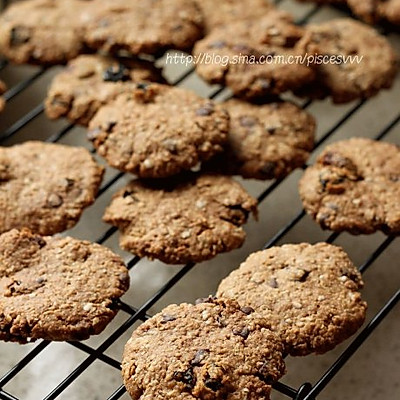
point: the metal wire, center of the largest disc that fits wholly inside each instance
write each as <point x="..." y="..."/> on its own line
<point x="306" y="391"/>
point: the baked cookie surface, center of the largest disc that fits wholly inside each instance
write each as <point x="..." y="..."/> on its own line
<point x="355" y="186"/>
<point x="211" y="350"/>
<point x="265" y="141"/>
<point x="56" y="288"/>
<point x="146" y="26"/>
<point x="45" y="187"/>
<point x="308" y="293"/>
<point x="44" y="31"/>
<point x="374" y="70"/>
<point x="90" y="81"/>
<point x="373" y="11"/>
<point x="236" y="54"/>
<point x="185" y="219"/>
<point x="156" y="131"/>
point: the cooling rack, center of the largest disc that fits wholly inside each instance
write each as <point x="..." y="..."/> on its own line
<point x="133" y="315"/>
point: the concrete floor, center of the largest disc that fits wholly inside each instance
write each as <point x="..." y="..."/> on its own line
<point x="373" y="372"/>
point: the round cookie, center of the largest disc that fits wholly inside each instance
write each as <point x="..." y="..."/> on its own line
<point x="91" y="81"/>
<point x="45" y="187"/>
<point x="373" y="11"/>
<point x="56" y="288"/>
<point x="355" y="186"/>
<point x="211" y="350"/>
<point x="3" y="88"/>
<point x="265" y="141"/>
<point x="156" y="130"/>
<point x="309" y="294"/>
<point x="44" y="31"/>
<point x="145" y="26"/>
<point x="185" y="219"/>
<point x="221" y="12"/>
<point x="244" y="56"/>
<point x="345" y="82"/>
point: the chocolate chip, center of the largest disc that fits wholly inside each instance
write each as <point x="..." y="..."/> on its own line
<point x="247" y="121"/>
<point x="142" y="86"/>
<point x="213" y="384"/>
<point x="268" y="169"/>
<point x="40" y="241"/>
<point x="40" y="280"/>
<point x="54" y="200"/>
<point x="209" y="299"/>
<point x="167" y="318"/>
<point x="19" y="35"/>
<point x="187" y="377"/>
<point x="271" y="130"/>
<point x="200" y="356"/>
<point x="273" y="283"/>
<point x="304" y="277"/>
<point x="110" y="126"/>
<point x="247" y="310"/>
<point x="119" y="74"/>
<point x="338" y="160"/>
<point x="206" y="110"/>
<point x="243" y="332"/>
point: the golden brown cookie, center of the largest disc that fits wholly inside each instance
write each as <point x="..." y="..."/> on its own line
<point x="211" y="350"/>
<point x="309" y="294"/>
<point x="90" y="81"/>
<point x="373" y="11"/>
<point x="56" y="288"/>
<point x="184" y="219"/>
<point x="156" y="131"/>
<point x="45" y="187"/>
<point x="355" y="186"/>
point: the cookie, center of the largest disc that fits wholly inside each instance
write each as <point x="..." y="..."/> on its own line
<point x="186" y="219"/>
<point x="211" y="350"/>
<point x="224" y="12"/>
<point x="146" y="26"/>
<point x="309" y="294"/>
<point x="265" y="141"/>
<point x="44" y="31"/>
<point x="374" y="68"/>
<point x="3" y="88"/>
<point x="245" y="56"/>
<point x="355" y="186"/>
<point x="373" y="11"/>
<point x="156" y="131"/>
<point x="91" y="81"/>
<point x="56" y="288"/>
<point x="45" y="187"/>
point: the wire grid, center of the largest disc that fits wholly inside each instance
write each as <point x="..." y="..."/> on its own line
<point x="307" y="391"/>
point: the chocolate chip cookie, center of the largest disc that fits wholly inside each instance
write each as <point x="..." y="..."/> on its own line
<point x="90" y="81"/>
<point x="3" y="88"/>
<point x="373" y="11"/>
<point x="211" y="350"/>
<point x="157" y="131"/>
<point x="221" y="12"/>
<point x="355" y="186"/>
<point x="56" y="288"/>
<point x="247" y="56"/>
<point x="309" y="294"/>
<point x="146" y="26"/>
<point x="372" y="68"/>
<point x="265" y="141"/>
<point x="44" y="31"/>
<point x="184" y="219"/>
<point x="45" y="187"/>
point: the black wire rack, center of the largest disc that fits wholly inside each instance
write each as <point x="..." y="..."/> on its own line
<point x="307" y="391"/>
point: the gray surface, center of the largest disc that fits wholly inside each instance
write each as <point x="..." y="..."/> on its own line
<point x="371" y="374"/>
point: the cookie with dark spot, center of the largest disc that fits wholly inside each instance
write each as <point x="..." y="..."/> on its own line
<point x="265" y="141"/>
<point x="211" y="350"/>
<point x="44" y="31"/>
<point x="90" y="81"/>
<point x="355" y="186"/>
<point x="45" y="187"/>
<point x="56" y="288"/>
<point x="3" y="88"/>
<point x="222" y="12"/>
<point x="349" y="79"/>
<point x="145" y="26"/>
<point x="373" y="11"/>
<point x="309" y="294"/>
<point x="157" y="131"/>
<point x="185" y="219"/>
<point x="250" y="56"/>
